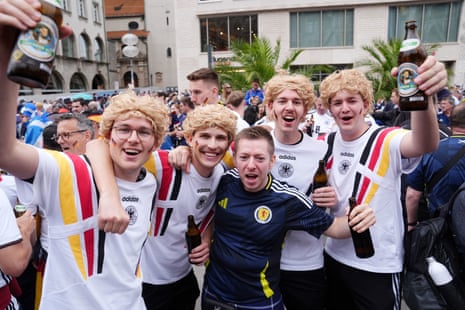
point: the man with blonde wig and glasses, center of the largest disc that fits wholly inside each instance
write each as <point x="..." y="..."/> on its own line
<point x="366" y="162"/>
<point x="169" y="281"/>
<point x="86" y="268"/>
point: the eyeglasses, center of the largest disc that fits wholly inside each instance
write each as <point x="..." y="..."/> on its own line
<point x="125" y="132"/>
<point x="66" y="135"/>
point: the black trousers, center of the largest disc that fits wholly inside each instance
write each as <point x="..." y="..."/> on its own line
<point x="180" y="295"/>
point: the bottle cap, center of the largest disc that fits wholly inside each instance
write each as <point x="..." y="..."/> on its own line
<point x="57" y="3"/>
<point x="20" y="210"/>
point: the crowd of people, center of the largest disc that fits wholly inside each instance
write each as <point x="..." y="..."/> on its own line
<point x="110" y="182"/>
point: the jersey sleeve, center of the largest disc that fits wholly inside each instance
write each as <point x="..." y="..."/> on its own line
<point x="415" y="179"/>
<point x="303" y="215"/>
<point x="9" y="231"/>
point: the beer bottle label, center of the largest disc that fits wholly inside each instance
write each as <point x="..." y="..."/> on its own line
<point x="41" y="42"/>
<point x="407" y="73"/>
<point x="409" y="44"/>
<point x="57" y="3"/>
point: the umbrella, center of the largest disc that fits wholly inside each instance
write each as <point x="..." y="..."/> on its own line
<point x="84" y="96"/>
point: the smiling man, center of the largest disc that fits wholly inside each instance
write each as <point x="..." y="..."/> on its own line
<point x="376" y="156"/>
<point x="169" y="280"/>
<point x="100" y="278"/>
<point x="86" y="268"/>
<point x="73" y="132"/>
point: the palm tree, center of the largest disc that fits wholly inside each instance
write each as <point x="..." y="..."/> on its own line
<point x="383" y="59"/>
<point x="258" y="60"/>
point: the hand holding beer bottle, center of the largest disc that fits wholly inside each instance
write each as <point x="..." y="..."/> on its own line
<point x="362" y="241"/>
<point x="412" y="54"/>
<point x="31" y="62"/>
<point x="193" y="238"/>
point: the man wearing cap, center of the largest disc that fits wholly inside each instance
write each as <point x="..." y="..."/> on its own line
<point x="26" y="113"/>
<point x="34" y="130"/>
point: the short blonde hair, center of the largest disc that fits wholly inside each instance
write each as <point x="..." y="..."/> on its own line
<point x="350" y="80"/>
<point x="127" y="105"/>
<point x="210" y="116"/>
<point x="297" y="82"/>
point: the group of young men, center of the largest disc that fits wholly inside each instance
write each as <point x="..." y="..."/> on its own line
<point x="106" y="238"/>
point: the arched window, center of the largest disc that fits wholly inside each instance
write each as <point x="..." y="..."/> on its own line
<point x="99" y="50"/>
<point x="78" y="83"/>
<point x="55" y="84"/>
<point x="98" y="82"/>
<point x="84" y="46"/>
<point x="68" y="46"/>
<point x="127" y="79"/>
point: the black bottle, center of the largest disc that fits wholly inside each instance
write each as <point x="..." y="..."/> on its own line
<point x="362" y="241"/>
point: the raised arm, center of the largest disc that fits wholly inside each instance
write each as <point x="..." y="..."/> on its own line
<point x="17" y="158"/>
<point x="111" y="215"/>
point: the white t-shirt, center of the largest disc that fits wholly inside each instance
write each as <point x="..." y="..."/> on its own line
<point x="9" y="231"/>
<point x="380" y="188"/>
<point x="9" y="234"/>
<point x="240" y="122"/>
<point x="164" y="256"/>
<point x="87" y="269"/>
<point x="322" y="123"/>
<point x="296" y="165"/>
<point x="7" y="184"/>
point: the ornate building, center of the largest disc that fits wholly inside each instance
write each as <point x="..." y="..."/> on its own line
<point x="81" y="62"/>
<point x="122" y="17"/>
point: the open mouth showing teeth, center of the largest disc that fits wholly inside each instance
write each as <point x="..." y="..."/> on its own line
<point x="131" y="152"/>
<point x="288" y="119"/>
<point x="346" y="118"/>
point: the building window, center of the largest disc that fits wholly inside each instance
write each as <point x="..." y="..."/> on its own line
<point x="437" y="22"/>
<point x="68" y="46"/>
<point x="98" y="47"/>
<point x="322" y="28"/>
<point x="84" y="46"/>
<point x="66" y="5"/>
<point x="96" y="12"/>
<point x="82" y="8"/>
<point x="219" y="32"/>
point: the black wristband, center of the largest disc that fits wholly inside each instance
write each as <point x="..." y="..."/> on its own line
<point x="412" y="224"/>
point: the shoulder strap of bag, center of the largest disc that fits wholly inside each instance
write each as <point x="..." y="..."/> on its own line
<point x="439" y="174"/>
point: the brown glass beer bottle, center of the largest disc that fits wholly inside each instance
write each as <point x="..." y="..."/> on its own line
<point x="320" y="179"/>
<point x="31" y="61"/>
<point x="362" y="241"/>
<point x="193" y="239"/>
<point x="411" y="55"/>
